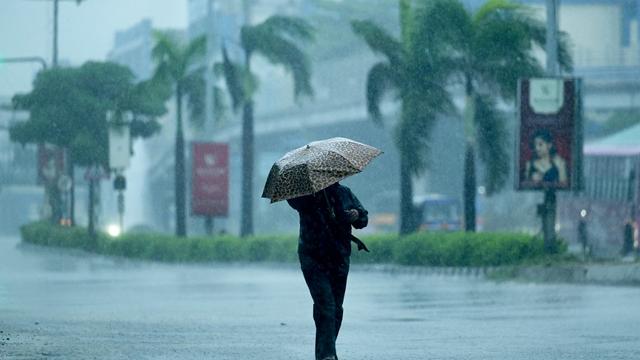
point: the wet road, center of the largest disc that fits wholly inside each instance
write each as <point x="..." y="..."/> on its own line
<point x="60" y="305"/>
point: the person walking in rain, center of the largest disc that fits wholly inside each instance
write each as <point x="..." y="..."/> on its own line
<point x="324" y="248"/>
<point x="307" y="177"/>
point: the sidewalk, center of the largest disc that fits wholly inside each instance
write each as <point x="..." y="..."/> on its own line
<point x="605" y="274"/>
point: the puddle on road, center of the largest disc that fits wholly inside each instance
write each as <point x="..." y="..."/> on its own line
<point x="402" y="319"/>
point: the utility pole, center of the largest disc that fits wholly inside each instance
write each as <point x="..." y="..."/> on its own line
<point x="551" y="47"/>
<point x="548" y="208"/>
<point x="208" y="65"/>
<point x="54" y="64"/>
<point x="54" y="57"/>
<point x="209" y="105"/>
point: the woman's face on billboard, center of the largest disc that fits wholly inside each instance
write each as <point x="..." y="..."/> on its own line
<point x="542" y="147"/>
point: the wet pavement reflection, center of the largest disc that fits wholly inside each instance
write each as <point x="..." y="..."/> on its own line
<point x="71" y="305"/>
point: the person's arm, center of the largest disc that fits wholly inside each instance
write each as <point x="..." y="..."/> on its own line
<point x="562" y="169"/>
<point x="363" y="215"/>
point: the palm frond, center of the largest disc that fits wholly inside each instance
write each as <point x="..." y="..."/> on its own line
<point x="444" y="24"/>
<point x="413" y="133"/>
<point x="564" y="52"/>
<point x="280" y="51"/>
<point x="220" y="106"/>
<point x="503" y="46"/>
<point x="194" y="87"/>
<point x="166" y="53"/>
<point x="538" y="33"/>
<point x="233" y="79"/>
<point x="379" y="40"/>
<point x="277" y="39"/>
<point x="196" y="49"/>
<point x="291" y="26"/>
<point x="493" y="8"/>
<point x="380" y="80"/>
<point x="492" y="143"/>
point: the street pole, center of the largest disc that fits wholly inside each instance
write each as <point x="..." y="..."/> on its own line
<point x="54" y="59"/>
<point x="548" y="212"/>
<point x="208" y="225"/>
<point x="208" y="68"/>
<point x="551" y="47"/>
<point x="121" y="209"/>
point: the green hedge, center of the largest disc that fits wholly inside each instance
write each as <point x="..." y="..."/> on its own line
<point x="422" y="249"/>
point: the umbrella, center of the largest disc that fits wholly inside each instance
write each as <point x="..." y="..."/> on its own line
<point x="315" y="166"/>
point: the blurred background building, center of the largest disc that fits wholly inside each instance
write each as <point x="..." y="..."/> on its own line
<point x="606" y="56"/>
<point x="605" y="37"/>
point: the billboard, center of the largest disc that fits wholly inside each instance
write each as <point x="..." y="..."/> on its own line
<point x="210" y="179"/>
<point x="549" y="146"/>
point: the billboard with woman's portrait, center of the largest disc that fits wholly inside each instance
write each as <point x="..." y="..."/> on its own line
<point x="549" y="144"/>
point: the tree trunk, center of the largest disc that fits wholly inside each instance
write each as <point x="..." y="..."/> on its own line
<point x="92" y="226"/>
<point x="469" y="189"/>
<point x="55" y="202"/>
<point x="470" y="185"/>
<point x="407" y="223"/>
<point x="549" y="221"/>
<point x="208" y="225"/>
<point x="181" y="225"/>
<point x="72" y="194"/>
<point x="246" y="227"/>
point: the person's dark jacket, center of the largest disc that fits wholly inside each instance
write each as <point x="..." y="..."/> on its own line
<point x="325" y="230"/>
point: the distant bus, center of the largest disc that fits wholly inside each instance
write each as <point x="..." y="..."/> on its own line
<point x="438" y="212"/>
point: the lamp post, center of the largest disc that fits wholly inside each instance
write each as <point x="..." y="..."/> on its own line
<point x="25" y="59"/>
<point x="54" y="57"/>
<point x="547" y="209"/>
<point x="119" y="154"/>
<point x="583" y="235"/>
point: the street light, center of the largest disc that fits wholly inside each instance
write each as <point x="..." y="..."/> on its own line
<point x="54" y="59"/>
<point x="119" y="154"/>
<point x="25" y="59"/>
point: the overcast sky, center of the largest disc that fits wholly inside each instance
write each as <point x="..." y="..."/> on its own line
<point x="86" y="31"/>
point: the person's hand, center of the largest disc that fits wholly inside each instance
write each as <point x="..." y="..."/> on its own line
<point x="352" y="215"/>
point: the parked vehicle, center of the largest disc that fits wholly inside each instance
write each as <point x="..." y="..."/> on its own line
<point x="438" y="212"/>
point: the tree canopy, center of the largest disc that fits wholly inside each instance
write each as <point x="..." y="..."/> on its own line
<point x="68" y="107"/>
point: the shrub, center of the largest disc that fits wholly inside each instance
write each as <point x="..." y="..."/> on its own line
<point x="421" y="249"/>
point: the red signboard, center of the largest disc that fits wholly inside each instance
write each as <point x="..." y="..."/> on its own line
<point x="549" y="136"/>
<point x="50" y="164"/>
<point x="210" y="179"/>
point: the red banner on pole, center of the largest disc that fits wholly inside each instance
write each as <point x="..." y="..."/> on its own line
<point x="210" y="179"/>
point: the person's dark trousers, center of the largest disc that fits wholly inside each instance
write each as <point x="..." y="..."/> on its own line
<point x="327" y="282"/>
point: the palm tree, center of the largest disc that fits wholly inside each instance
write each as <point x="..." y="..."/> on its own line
<point x="275" y="39"/>
<point x="174" y="64"/>
<point x="414" y="68"/>
<point x="492" y="48"/>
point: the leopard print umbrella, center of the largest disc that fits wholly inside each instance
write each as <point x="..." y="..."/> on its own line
<point x="315" y="166"/>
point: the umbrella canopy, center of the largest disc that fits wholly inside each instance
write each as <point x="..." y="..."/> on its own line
<point x="315" y="166"/>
